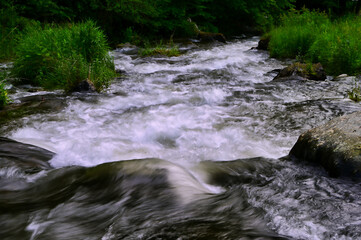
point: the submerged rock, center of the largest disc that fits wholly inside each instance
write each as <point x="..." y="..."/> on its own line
<point x="302" y="70"/>
<point x="31" y="105"/>
<point x="25" y="156"/>
<point x="127" y="48"/>
<point x="335" y="145"/>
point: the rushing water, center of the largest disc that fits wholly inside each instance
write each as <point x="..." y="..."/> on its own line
<point x="185" y="119"/>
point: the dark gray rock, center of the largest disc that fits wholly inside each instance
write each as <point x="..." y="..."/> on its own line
<point x="335" y="145"/>
<point x="25" y="156"/>
<point x="303" y="71"/>
<point x="85" y="86"/>
<point x="263" y="43"/>
<point x="211" y="37"/>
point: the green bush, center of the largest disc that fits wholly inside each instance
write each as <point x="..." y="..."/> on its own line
<point x="61" y="57"/>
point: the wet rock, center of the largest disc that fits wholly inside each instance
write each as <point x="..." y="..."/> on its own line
<point x="335" y="145"/>
<point x="303" y="70"/>
<point x="264" y="42"/>
<point x="344" y="77"/>
<point x="25" y="156"/>
<point x="206" y="36"/>
<point x="30" y="105"/>
<point x="127" y="48"/>
<point x="211" y="37"/>
<point x="85" y="86"/>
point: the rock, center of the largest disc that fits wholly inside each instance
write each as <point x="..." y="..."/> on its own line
<point x="344" y="77"/>
<point x="85" y="86"/>
<point x="303" y="70"/>
<point x="127" y="48"/>
<point x="211" y="37"/>
<point x="206" y="36"/>
<point x="25" y="156"/>
<point x="263" y="42"/>
<point x="29" y="105"/>
<point x="335" y="145"/>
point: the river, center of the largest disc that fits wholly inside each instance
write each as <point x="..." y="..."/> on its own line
<point x="188" y="147"/>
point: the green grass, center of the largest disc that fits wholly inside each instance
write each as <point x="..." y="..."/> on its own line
<point x="160" y="49"/>
<point x="296" y="34"/>
<point x="313" y="37"/>
<point x="60" y="57"/>
<point x="4" y="99"/>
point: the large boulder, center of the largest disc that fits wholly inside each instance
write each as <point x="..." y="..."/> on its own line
<point x="303" y="70"/>
<point x="335" y="145"/>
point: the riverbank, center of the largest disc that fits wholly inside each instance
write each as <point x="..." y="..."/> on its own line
<point x="312" y="37"/>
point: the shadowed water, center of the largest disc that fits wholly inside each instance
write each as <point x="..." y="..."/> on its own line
<point x="186" y="119"/>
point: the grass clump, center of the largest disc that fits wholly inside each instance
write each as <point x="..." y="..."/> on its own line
<point x="297" y="33"/>
<point x="338" y="47"/>
<point x="161" y="49"/>
<point x="312" y="37"/>
<point x="4" y="99"/>
<point x="60" y="57"/>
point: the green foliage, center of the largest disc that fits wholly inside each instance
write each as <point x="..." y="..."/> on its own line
<point x="297" y="32"/>
<point x="338" y="48"/>
<point x="11" y="24"/>
<point x="4" y="99"/>
<point x="235" y="15"/>
<point x="61" y="57"/>
<point x="121" y="20"/>
<point x="312" y="37"/>
<point x="3" y="95"/>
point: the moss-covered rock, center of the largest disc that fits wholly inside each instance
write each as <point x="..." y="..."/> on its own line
<point x="335" y="145"/>
<point x="211" y="37"/>
<point x="308" y="71"/>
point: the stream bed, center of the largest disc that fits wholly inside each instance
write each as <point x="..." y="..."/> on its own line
<point x="188" y="147"/>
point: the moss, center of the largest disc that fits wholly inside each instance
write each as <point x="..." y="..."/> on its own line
<point x="160" y="50"/>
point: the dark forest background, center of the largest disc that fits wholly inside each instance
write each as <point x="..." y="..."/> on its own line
<point x="127" y="20"/>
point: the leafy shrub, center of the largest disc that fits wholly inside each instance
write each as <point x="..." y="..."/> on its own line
<point x="61" y="57"/>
